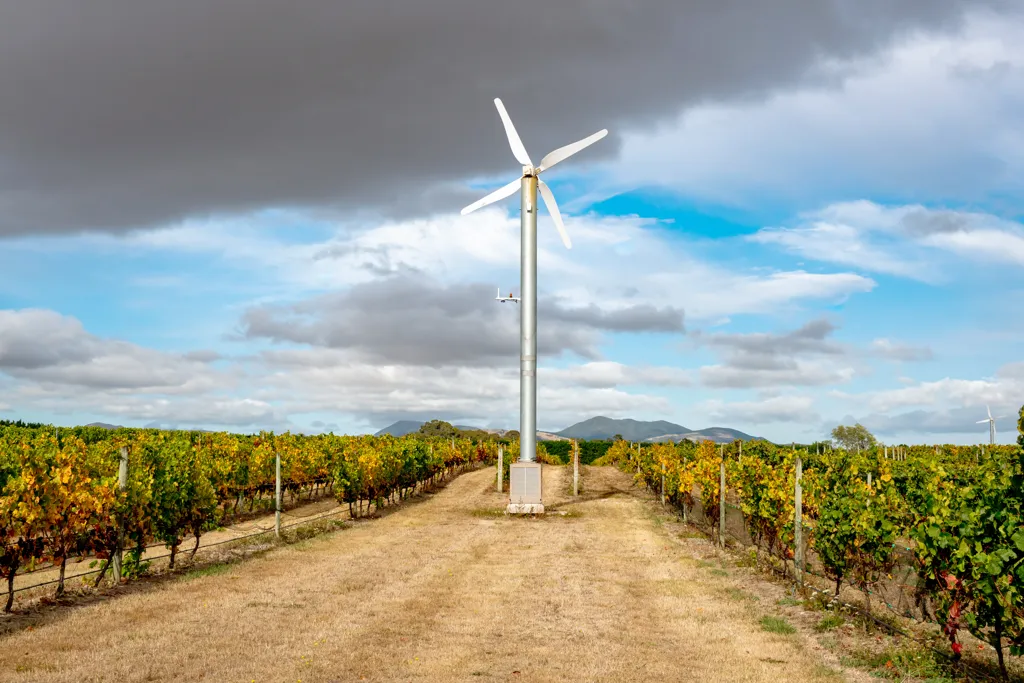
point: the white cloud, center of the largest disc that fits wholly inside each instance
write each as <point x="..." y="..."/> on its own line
<point x="55" y="350"/>
<point x="796" y="373"/>
<point x="900" y="352"/>
<point x="608" y="374"/>
<point x="1005" y="392"/>
<point x="908" y="240"/>
<point x="935" y="117"/>
<point x="615" y="262"/>
<point x="842" y="244"/>
<point x="314" y="380"/>
<point x="799" y="410"/>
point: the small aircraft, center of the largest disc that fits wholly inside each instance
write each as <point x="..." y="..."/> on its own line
<point x="503" y="299"/>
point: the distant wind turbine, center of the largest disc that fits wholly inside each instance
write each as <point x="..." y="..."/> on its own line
<point x="991" y="425"/>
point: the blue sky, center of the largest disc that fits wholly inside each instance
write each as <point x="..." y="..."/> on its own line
<point x="842" y="247"/>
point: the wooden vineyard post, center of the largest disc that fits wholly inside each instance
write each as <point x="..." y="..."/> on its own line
<point x="575" y="467"/>
<point x="798" y="532"/>
<point x="277" y="497"/>
<point x="721" y="499"/>
<point x="122" y="484"/>
<point x="501" y="467"/>
<point x="741" y="453"/>
<point x="663" y="483"/>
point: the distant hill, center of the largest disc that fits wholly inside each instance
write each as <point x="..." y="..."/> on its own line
<point x="401" y="428"/>
<point x="103" y="424"/>
<point x="716" y="434"/>
<point x="631" y="430"/>
<point x="597" y="428"/>
<point x="548" y="436"/>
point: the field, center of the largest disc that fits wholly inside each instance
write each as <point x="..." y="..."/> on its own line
<point x="447" y="589"/>
<point x="928" y="541"/>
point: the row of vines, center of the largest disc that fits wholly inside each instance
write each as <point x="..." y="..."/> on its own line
<point x="61" y="497"/>
<point x="958" y="510"/>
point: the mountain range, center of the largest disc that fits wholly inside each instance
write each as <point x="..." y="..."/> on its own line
<point x="596" y="428"/>
<point x="607" y="428"/>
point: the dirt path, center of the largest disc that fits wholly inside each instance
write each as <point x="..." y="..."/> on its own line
<point x="443" y="590"/>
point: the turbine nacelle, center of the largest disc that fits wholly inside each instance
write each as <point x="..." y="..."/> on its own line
<point x="531" y="171"/>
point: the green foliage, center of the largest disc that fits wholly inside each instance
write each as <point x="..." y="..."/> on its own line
<point x="829" y="622"/>
<point x="22" y="424"/>
<point x="773" y="624"/>
<point x="589" y="450"/>
<point x="438" y="428"/>
<point x="60" y="497"/>
<point x="963" y="505"/>
<point x="853" y="438"/>
<point x="971" y="547"/>
<point x="560" y="449"/>
<point x="592" y="450"/>
<point x="857" y="524"/>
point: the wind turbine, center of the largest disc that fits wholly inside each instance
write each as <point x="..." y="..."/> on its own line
<point x="528" y="184"/>
<point x="991" y="425"/>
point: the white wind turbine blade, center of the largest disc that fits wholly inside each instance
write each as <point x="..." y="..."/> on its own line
<point x="563" y="153"/>
<point x="989" y="411"/>
<point x="980" y="421"/>
<point x="500" y="193"/>
<point x="556" y="215"/>
<point x="518" y="150"/>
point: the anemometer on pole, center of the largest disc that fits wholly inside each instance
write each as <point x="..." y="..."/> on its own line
<point x="503" y="299"/>
<point x="525" y="479"/>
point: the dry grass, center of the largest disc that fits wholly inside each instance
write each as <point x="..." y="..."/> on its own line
<point x="439" y="591"/>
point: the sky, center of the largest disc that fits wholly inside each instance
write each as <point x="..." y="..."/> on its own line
<point x="245" y="215"/>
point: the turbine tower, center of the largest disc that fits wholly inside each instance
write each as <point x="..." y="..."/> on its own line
<point x="528" y="185"/>
<point x="991" y="425"/>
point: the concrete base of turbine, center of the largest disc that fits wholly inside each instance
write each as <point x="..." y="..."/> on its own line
<point x="525" y="489"/>
<point x="524" y="509"/>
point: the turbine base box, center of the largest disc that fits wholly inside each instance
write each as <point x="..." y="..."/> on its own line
<point x="524" y="509"/>
<point x="524" y="485"/>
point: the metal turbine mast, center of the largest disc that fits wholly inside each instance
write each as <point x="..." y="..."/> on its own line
<point x="528" y="185"/>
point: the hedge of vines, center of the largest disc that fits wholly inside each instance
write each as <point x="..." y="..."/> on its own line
<point x="60" y="496"/>
<point x="961" y="508"/>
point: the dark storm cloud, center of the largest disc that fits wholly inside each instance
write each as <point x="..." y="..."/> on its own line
<point x="765" y="348"/>
<point x="768" y="359"/>
<point x="925" y="222"/>
<point x="121" y="114"/>
<point x="638" y="318"/>
<point x="414" y="321"/>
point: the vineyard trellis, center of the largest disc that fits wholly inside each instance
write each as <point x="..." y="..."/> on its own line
<point x="953" y="516"/>
<point x="61" y="496"/>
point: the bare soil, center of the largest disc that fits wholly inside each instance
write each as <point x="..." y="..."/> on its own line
<point x="447" y="589"/>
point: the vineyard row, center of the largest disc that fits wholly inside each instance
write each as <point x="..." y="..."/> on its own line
<point x="67" y="497"/>
<point x="956" y="513"/>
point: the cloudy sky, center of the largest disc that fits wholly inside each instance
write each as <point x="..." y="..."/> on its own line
<point x="244" y="214"/>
